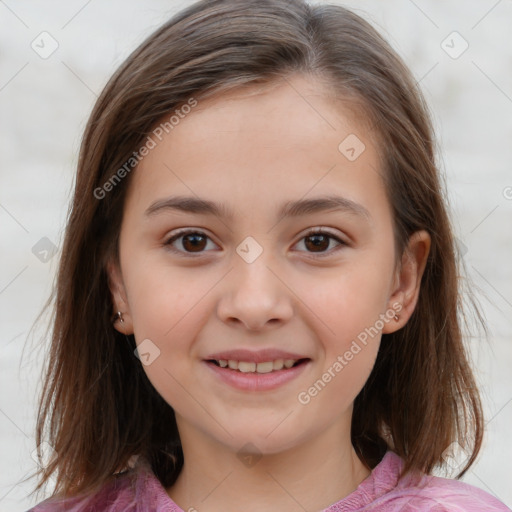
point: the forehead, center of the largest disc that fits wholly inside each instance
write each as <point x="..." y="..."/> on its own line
<point x="264" y="109"/>
<point x="265" y="141"/>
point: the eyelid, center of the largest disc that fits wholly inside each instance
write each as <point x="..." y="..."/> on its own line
<point x="325" y="231"/>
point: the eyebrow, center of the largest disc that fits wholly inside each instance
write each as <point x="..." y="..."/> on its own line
<point x="296" y="208"/>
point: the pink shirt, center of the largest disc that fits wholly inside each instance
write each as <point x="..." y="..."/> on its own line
<point x="380" y="491"/>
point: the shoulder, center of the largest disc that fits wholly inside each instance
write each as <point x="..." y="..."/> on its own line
<point x="437" y="494"/>
<point x="434" y="494"/>
<point x="136" y="490"/>
<point x="113" y="492"/>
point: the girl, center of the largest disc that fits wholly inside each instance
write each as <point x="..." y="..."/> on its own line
<point x="258" y="304"/>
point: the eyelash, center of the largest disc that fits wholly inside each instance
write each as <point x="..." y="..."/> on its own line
<point x="314" y="231"/>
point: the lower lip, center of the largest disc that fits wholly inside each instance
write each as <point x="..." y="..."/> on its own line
<point x="257" y="381"/>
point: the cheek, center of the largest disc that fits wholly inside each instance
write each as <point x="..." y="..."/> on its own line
<point x="347" y="300"/>
<point x="167" y="307"/>
<point x="348" y="306"/>
<point x="163" y="297"/>
<point x="346" y="322"/>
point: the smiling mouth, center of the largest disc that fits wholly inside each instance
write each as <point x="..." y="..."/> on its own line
<point x="278" y="365"/>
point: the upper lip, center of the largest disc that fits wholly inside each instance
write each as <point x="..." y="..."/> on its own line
<point x="259" y="356"/>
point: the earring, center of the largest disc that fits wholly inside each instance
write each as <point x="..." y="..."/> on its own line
<point x="118" y="316"/>
<point x="396" y="317"/>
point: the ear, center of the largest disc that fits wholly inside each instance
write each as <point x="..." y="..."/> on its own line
<point x="119" y="298"/>
<point x="407" y="280"/>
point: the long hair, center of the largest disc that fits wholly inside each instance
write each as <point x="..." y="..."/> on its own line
<point x="97" y="407"/>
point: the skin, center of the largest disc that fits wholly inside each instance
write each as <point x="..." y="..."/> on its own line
<point x="252" y="150"/>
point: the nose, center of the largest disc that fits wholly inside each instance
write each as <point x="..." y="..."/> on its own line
<point x="255" y="296"/>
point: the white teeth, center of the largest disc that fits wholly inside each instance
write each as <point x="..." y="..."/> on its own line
<point x="265" y="367"/>
<point x="278" y="364"/>
<point x="245" y="367"/>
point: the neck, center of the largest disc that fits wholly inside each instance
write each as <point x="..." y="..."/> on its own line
<point x="310" y="476"/>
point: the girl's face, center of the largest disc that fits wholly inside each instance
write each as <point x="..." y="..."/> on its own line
<point x="249" y="278"/>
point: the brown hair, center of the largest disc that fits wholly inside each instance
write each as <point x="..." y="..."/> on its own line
<point x="421" y="395"/>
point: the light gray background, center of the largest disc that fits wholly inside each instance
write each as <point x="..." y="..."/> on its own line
<point x="44" y="107"/>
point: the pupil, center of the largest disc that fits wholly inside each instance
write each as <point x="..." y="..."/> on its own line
<point x="194" y="244"/>
<point x="318" y="239"/>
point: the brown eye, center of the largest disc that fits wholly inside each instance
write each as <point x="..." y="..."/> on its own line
<point x="191" y="242"/>
<point x="194" y="242"/>
<point x="317" y="243"/>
